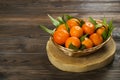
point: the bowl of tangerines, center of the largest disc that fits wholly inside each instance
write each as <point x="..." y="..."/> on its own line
<point x="79" y="37"/>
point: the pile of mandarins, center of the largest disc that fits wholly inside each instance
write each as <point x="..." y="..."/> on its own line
<point x="62" y="37"/>
<point x="78" y="33"/>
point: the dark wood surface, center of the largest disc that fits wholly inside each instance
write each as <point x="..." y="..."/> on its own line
<point x="22" y="44"/>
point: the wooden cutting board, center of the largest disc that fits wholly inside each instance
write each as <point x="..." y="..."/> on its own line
<point x="82" y="64"/>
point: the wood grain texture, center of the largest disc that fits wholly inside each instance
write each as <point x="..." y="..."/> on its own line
<point x="93" y="61"/>
<point x="22" y="43"/>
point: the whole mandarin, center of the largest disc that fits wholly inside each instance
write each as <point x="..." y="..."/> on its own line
<point x="73" y="22"/>
<point x="60" y="36"/>
<point x="96" y="39"/>
<point x="61" y="27"/>
<point x="100" y="30"/>
<point x="87" y="43"/>
<point x="74" y="41"/>
<point x="88" y="28"/>
<point x="76" y="31"/>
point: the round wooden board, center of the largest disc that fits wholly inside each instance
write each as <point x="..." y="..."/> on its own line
<point x="93" y="61"/>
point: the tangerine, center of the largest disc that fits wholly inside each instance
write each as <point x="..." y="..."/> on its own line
<point x="60" y="36"/>
<point x="61" y="27"/>
<point x="74" y="41"/>
<point x="88" y="27"/>
<point x="96" y="39"/>
<point x="76" y="31"/>
<point x="100" y="30"/>
<point x="73" y="22"/>
<point x="87" y="43"/>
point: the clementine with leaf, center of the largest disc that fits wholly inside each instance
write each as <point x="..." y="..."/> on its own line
<point x="74" y="41"/>
<point x="100" y="30"/>
<point x="87" y="43"/>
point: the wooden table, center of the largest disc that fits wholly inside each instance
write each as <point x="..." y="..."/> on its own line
<point x="22" y="43"/>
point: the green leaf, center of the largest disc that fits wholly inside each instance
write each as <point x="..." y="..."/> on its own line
<point x="63" y="18"/>
<point x="104" y="35"/>
<point x="110" y="28"/>
<point x="81" y="23"/>
<point x="98" y="26"/>
<point x="104" y="21"/>
<point x="68" y="17"/>
<point x="60" y="20"/>
<point x="67" y="28"/>
<point x="66" y="25"/>
<point x="82" y="47"/>
<point x="110" y="25"/>
<point x="46" y="29"/>
<point x="71" y="46"/>
<point x="54" y="21"/>
<point x="92" y="21"/>
<point x="83" y="37"/>
<point x="107" y="34"/>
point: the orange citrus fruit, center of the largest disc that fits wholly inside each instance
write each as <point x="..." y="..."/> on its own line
<point x="74" y="41"/>
<point x="61" y="27"/>
<point x="60" y="36"/>
<point x="96" y="39"/>
<point x="100" y="30"/>
<point x="88" y="27"/>
<point x="73" y="22"/>
<point x="76" y="31"/>
<point x="87" y="43"/>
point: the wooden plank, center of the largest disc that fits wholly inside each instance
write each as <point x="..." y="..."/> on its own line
<point x="22" y="43"/>
<point x="57" y="7"/>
